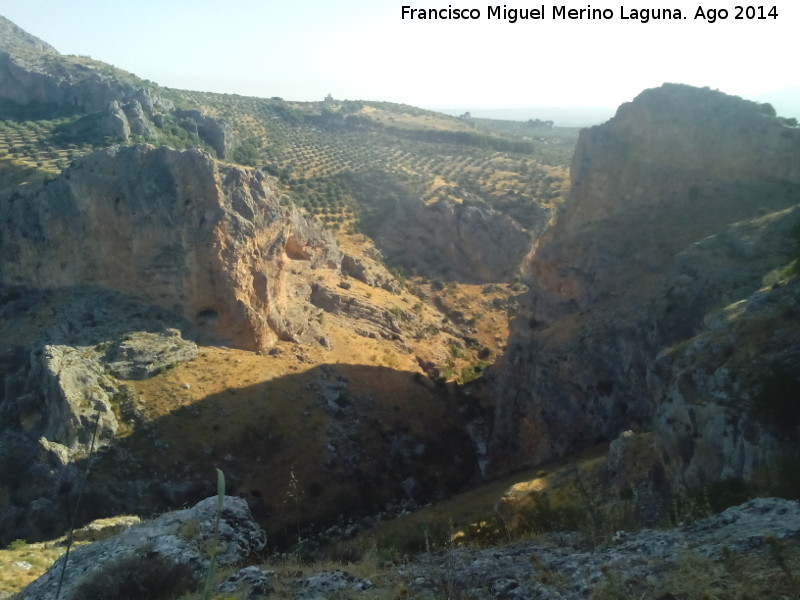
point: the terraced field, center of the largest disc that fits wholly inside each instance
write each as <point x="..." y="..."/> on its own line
<point x="328" y="155"/>
<point x="32" y="144"/>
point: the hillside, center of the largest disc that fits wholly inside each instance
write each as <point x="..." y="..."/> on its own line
<point x="125" y="259"/>
<point x="396" y="330"/>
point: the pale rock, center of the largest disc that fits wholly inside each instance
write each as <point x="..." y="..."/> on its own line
<point x="142" y="354"/>
<point x="101" y="529"/>
<point x="114" y="123"/>
<point x="181" y="537"/>
<point x="212" y="131"/>
<point x="252" y="582"/>
<point x="324" y="585"/>
<point x="139" y="122"/>
<point x="370" y="272"/>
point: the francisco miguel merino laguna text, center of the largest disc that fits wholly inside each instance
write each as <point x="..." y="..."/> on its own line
<point x="512" y="15"/>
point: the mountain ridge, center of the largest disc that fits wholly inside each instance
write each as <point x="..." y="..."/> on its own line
<point x="12" y="36"/>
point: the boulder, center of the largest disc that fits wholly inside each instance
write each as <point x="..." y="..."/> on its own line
<point x="321" y="586"/>
<point x="173" y="545"/>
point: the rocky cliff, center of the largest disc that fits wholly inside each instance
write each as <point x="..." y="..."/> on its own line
<point x="470" y="243"/>
<point x="109" y="273"/>
<point x="169" y="553"/>
<point x="465" y="241"/>
<point x="177" y="230"/>
<point x="34" y="75"/>
<point x="680" y="205"/>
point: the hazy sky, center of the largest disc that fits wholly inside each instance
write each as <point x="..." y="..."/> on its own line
<point x="359" y="49"/>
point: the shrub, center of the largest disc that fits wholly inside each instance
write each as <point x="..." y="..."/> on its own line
<point x="786" y="482"/>
<point x="135" y="577"/>
<point x="719" y="495"/>
<point x="414" y="539"/>
<point x="778" y="403"/>
<point x="455" y="350"/>
<point x="542" y="516"/>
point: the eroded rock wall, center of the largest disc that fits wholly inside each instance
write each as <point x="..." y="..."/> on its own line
<point x="678" y="208"/>
<point x="175" y="229"/>
<point x="475" y="244"/>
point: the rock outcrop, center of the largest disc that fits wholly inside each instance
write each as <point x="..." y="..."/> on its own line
<point x="175" y="542"/>
<point x="724" y="399"/>
<point x="471" y="243"/>
<point x="60" y="400"/>
<point x="43" y="77"/>
<point x="680" y="205"/>
<point x="12" y="36"/>
<point x="34" y="74"/>
<point x="646" y="563"/>
<point x="213" y="132"/>
<point x="177" y="230"/>
<point x="641" y="564"/>
<point x="369" y="271"/>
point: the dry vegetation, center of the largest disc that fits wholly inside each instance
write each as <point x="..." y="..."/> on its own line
<point x="561" y="496"/>
<point x="21" y="563"/>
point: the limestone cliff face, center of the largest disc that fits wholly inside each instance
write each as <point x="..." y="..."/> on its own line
<point x="674" y="213"/>
<point x="471" y="243"/>
<point x="175" y="229"/>
<point x="707" y="391"/>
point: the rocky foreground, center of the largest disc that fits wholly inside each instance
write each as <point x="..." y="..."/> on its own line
<point x="632" y="564"/>
<point x="172" y="552"/>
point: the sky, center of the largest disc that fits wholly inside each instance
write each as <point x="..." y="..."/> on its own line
<point x="359" y="49"/>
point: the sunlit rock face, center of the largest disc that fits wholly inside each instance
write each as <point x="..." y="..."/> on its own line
<point x="679" y="206"/>
<point x="178" y="230"/>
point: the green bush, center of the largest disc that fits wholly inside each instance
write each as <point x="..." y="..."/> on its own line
<point x="248" y="153"/>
